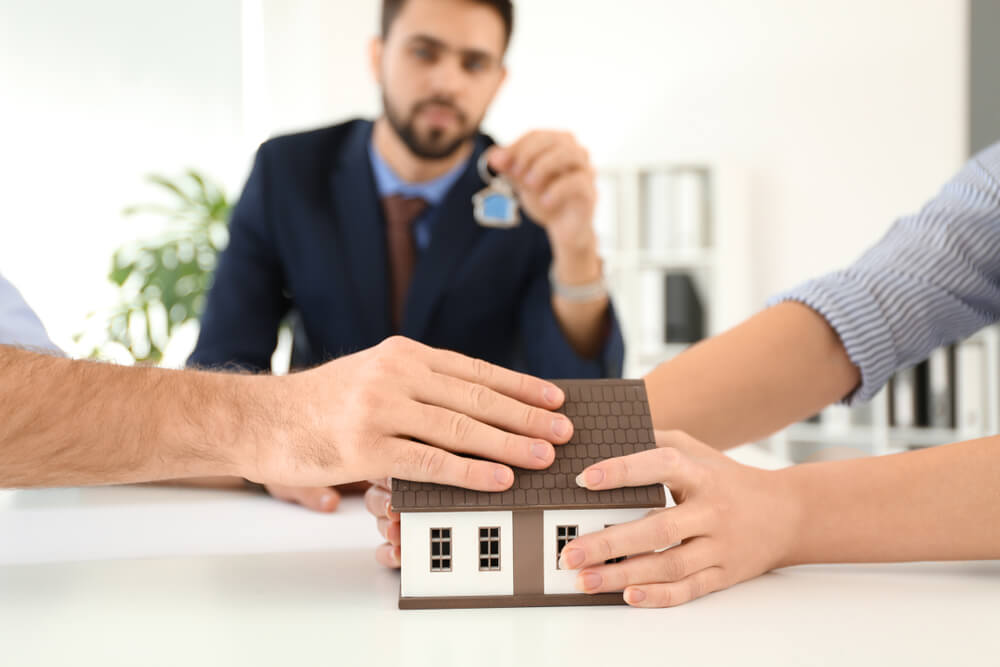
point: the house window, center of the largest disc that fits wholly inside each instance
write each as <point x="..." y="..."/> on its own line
<point x="564" y="535"/>
<point x="613" y="560"/>
<point x="489" y="549"/>
<point x="440" y="549"/>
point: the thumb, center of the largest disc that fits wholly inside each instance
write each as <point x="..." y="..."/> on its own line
<point x="499" y="158"/>
<point x="664" y="465"/>
<point x="317" y="498"/>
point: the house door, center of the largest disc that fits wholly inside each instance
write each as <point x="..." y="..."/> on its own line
<point x="529" y="571"/>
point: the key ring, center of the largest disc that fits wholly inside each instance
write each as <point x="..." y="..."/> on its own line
<point x="495" y="205"/>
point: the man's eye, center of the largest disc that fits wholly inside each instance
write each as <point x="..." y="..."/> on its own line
<point x="474" y="64"/>
<point x="423" y="53"/>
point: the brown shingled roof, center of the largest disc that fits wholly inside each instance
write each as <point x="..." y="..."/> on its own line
<point x="610" y="418"/>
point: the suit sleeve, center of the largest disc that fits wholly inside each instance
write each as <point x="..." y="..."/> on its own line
<point x="246" y="302"/>
<point x="544" y="348"/>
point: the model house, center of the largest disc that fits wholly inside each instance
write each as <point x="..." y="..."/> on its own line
<point x="476" y="549"/>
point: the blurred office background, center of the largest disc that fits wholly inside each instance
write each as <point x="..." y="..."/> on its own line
<point x="836" y="116"/>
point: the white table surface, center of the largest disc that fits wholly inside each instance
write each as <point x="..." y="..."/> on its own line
<point x="155" y="576"/>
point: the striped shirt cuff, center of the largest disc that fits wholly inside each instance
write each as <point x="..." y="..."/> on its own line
<point x="855" y="315"/>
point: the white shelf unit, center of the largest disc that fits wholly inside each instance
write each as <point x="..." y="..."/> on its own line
<point x="659" y="218"/>
<point x="637" y="254"/>
<point x="867" y="428"/>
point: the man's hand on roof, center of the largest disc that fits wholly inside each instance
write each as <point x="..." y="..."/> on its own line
<point x="406" y="410"/>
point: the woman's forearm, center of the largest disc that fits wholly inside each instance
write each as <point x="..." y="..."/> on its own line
<point x="778" y="367"/>
<point x="935" y="504"/>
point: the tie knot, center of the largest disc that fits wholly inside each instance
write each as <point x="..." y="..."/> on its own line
<point x="400" y="211"/>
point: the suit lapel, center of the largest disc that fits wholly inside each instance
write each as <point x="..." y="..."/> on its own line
<point x="453" y="235"/>
<point x="362" y="231"/>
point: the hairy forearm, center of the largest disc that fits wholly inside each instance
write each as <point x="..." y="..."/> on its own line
<point x="778" y="367"/>
<point x="936" y="504"/>
<point x="66" y="423"/>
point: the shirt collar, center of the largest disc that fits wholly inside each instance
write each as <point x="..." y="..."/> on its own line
<point x="388" y="183"/>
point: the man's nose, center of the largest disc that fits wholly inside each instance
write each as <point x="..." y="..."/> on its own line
<point x="448" y="78"/>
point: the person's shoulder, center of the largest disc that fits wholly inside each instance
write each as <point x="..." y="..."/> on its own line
<point x="485" y="140"/>
<point x="321" y="143"/>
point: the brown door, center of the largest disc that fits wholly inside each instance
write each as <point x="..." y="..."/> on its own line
<point x="529" y="571"/>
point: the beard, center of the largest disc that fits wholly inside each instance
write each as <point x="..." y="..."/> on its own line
<point x="435" y="144"/>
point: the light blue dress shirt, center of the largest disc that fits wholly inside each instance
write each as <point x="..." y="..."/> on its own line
<point x="933" y="279"/>
<point x="387" y="183"/>
<point x="18" y="323"/>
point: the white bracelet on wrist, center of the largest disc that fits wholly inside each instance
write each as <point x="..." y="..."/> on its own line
<point x="591" y="291"/>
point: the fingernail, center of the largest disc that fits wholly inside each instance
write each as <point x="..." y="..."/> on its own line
<point x="634" y="596"/>
<point x="553" y="395"/>
<point x="395" y="555"/>
<point x="570" y="559"/>
<point x="561" y="427"/>
<point x="588" y="479"/>
<point x="541" y="451"/>
<point x="588" y="581"/>
<point x="502" y="475"/>
<point x="530" y="178"/>
<point x="388" y="507"/>
<point x="326" y="502"/>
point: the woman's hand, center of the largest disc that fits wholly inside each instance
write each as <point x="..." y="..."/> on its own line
<point x="731" y="523"/>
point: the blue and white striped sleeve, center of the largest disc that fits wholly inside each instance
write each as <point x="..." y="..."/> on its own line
<point x="933" y="279"/>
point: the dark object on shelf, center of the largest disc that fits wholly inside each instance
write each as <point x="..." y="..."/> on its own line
<point x="922" y="394"/>
<point x="941" y="398"/>
<point x="685" y="315"/>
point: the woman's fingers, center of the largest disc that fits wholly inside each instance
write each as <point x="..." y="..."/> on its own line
<point x="657" y="531"/>
<point x="654" y="466"/>
<point x="388" y="555"/>
<point x="673" y="564"/>
<point x="389" y="529"/>
<point x="378" y="502"/>
<point x="675" y="593"/>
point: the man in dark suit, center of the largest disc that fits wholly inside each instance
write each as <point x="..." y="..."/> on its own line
<point x="366" y="230"/>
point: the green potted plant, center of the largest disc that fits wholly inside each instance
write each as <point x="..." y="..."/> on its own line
<point x="162" y="281"/>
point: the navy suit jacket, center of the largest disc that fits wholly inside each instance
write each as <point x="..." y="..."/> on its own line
<point x="308" y="234"/>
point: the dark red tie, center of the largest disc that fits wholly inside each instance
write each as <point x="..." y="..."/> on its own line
<point x="400" y="212"/>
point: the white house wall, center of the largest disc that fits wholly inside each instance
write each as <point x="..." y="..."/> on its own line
<point x="589" y="521"/>
<point x="417" y="580"/>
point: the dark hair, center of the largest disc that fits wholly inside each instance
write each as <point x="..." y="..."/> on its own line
<point x="391" y="8"/>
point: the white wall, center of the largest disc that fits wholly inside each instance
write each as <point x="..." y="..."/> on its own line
<point x="416" y="578"/>
<point x="846" y="113"/>
<point x="95" y="95"/>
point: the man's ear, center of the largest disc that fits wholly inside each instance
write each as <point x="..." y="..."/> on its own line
<point x="375" y="49"/>
<point x="500" y="82"/>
